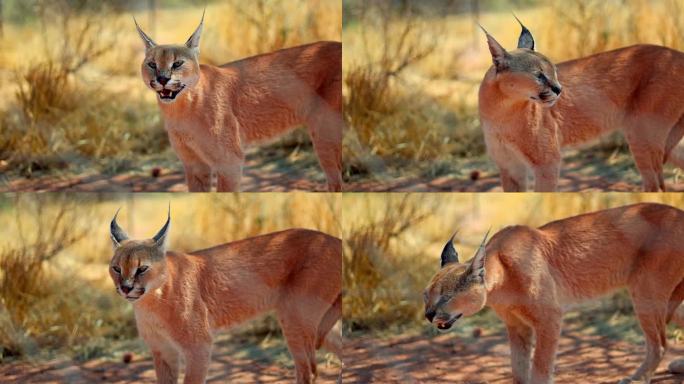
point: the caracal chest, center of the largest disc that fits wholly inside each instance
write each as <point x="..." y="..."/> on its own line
<point x="208" y="139"/>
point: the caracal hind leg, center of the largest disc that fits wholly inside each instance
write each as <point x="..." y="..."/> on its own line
<point x="325" y="126"/>
<point x="547" y="332"/>
<point x="649" y="156"/>
<point x="300" y="334"/>
<point x="166" y="364"/>
<point x="520" y="337"/>
<point x="674" y="147"/>
<point x="675" y="314"/>
<point x="651" y="309"/>
<point x="229" y="174"/>
<point x="197" y="359"/>
<point x="330" y="318"/>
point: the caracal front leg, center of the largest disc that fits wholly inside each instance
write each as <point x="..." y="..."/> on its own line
<point x="513" y="173"/>
<point x="197" y="171"/>
<point x="166" y="364"/>
<point x="229" y="174"/>
<point x="520" y="336"/>
<point x="546" y="176"/>
<point x="547" y="333"/>
<point x="512" y="169"/>
<point x="198" y="177"/>
<point x="197" y="359"/>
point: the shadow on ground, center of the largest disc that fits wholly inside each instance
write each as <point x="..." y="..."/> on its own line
<point x="582" y="170"/>
<point x="447" y="358"/>
<point x="232" y="362"/>
<point x="265" y="170"/>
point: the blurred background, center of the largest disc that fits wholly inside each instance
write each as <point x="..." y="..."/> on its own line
<point x="413" y="68"/>
<point x="57" y="300"/>
<point x="73" y="102"/>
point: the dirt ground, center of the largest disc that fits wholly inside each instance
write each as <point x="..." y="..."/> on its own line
<point x="269" y="173"/>
<point x="231" y="363"/>
<point x="582" y="170"/>
<point x="445" y="358"/>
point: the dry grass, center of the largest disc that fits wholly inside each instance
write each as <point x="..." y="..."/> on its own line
<point x="73" y="69"/>
<point x="425" y="115"/>
<point x="392" y="244"/>
<point x="56" y="296"/>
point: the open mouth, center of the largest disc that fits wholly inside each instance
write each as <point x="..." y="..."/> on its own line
<point x="448" y="324"/>
<point x="167" y="94"/>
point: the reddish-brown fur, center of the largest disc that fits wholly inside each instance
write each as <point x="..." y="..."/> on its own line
<point x="219" y="111"/>
<point x="183" y="298"/>
<point x="531" y="274"/>
<point x="632" y="89"/>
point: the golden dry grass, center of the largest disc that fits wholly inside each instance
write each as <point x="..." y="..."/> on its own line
<point x="72" y="84"/>
<point x="392" y="244"/>
<point x="426" y="114"/>
<point x="55" y="292"/>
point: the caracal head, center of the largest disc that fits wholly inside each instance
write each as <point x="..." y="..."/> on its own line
<point x="138" y="266"/>
<point x="457" y="289"/>
<point x="524" y="74"/>
<point x="169" y="70"/>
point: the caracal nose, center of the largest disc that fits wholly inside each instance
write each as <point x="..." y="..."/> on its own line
<point x="163" y="80"/>
<point x="557" y="89"/>
<point x="126" y="288"/>
<point x="429" y="315"/>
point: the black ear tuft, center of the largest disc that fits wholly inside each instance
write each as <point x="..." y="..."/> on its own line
<point x="115" y="232"/>
<point x="449" y="254"/>
<point x="499" y="55"/>
<point x="525" y="40"/>
<point x="477" y="264"/>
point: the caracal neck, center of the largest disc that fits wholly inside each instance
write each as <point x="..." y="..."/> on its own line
<point x="495" y="106"/>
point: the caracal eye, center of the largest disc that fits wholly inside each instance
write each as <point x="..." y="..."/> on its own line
<point x="116" y="269"/>
<point x="177" y="64"/>
<point x="141" y="269"/>
<point x="152" y="65"/>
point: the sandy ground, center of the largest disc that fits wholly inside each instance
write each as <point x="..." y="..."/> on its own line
<point x="265" y="174"/>
<point x="581" y="171"/>
<point x="229" y="365"/>
<point x="447" y="359"/>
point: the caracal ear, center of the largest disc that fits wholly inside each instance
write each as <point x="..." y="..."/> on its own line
<point x="194" y="40"/>
<point x="160" y="237"/>
<point x="449" y="254"/>
<point x="499" y="54"/>
<point x="525" y="40"/>
<point x="149" y="43"/>
<point x="116" y="233"/>
<point x="477" y="264"/>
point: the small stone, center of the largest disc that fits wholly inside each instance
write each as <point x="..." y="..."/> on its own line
<point x="156" y="172"/>
<point x="475" y="175"/>
<point x="127" y="357"/>
<point x="676" y="366"/>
